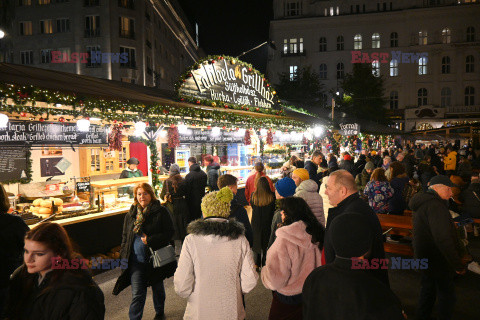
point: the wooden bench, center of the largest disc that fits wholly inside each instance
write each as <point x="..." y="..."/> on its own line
<point x="407" y="213"/>
<point x="398" y="248"/>
<point x="476" y="221"/>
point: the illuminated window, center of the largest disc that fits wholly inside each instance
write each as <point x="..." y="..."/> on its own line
<point x="393" y="68"/>
<point x="375" y="41"/>
<point x="357" y="42"/>
<point x="293" y="8"/>
<point x="46" y="26"/>
<point x="26" y="28"/>
<point x="376" y="68"/>
<point x="446" y="35"/>
<point x="422" y="66"/>
<point x="422" y="38"/>
<point x="293" y="72"/>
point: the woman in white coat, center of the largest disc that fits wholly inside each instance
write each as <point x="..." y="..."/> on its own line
<point x="216" y="265"/>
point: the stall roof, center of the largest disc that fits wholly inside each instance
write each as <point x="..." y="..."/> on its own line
<point x="99" y="88"/>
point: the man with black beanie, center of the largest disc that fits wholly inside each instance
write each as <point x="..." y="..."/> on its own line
<point x="339" y="290"/>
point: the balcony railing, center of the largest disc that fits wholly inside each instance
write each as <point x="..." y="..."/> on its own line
<point x="90" y="33"/>
<point x="294" y="54"/>
<point x="463" y="109"/>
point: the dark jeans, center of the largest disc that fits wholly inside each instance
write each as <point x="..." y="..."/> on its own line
<point x="138" y="277"/>
<point x="433" y="286"/>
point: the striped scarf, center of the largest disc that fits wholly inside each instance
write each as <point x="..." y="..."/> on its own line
<point x="139" y="218"/>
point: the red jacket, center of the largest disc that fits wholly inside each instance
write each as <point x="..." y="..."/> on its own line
<point x="250" y="185"/>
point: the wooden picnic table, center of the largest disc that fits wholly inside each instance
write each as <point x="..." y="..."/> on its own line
<point x="401" y="225"/>
<point x="395" y="221"/>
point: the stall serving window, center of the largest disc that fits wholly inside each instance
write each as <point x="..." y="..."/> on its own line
<point x="99" y="161"/>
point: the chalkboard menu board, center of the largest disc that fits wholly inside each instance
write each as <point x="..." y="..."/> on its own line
<point x="199" y="136"/>
<point x="83" y="186"/>
<point x="13" y="163"/>
<point x="21" y="133"/>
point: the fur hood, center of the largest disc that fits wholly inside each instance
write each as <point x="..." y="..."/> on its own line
<point x="217" y="227"/>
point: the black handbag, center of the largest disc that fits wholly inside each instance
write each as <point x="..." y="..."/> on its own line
<point x="163" y="256"/>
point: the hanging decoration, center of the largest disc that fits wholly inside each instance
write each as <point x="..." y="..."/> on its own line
<point x="173" y="137"/>
<point x="269" y="137"/>
<point x="247" y="140"/>
<point x="115" y="138"/>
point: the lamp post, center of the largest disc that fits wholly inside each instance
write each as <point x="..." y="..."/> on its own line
<point x="333" y="103"/>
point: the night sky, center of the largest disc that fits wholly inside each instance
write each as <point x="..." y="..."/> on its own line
<point x="231" y="27"/>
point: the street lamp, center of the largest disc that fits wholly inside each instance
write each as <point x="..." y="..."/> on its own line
<point x="2" y="34"/>
<point x="270" y="43"/>
<point x="333" y="102"/>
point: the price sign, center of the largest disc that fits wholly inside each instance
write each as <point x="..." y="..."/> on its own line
<point x="83" y="186"/>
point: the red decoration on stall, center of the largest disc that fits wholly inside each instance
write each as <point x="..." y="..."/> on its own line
<point x="41" y="119"/>
<point x="247" y="140"/>
<point x="269" y="137"/>
<point x="23" y="114"/>
<point x="115" y="138"/>
<point x="173" y="139"/>
<point x="61" y="119"/>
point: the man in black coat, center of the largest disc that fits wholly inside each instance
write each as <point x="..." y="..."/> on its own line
<point x="342" y="194"/>
<point x="471" y="198"/>
<point x="435" y="239"/>
<point x="339" y="290"/>
<point x="312" y="166"/>
<point x="236" y="210"/>
<point x="212" y="173"/>
<point x="196" y="181"/>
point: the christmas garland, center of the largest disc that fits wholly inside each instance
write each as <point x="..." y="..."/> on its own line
<point x="28" y="171"/>
<point x="115" y="111"/>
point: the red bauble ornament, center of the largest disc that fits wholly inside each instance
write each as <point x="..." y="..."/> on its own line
<point x="226" y="106"/>
<point x="263" y="79"/>
<point x="209" y="127"/>
<point x="184" y="80"/>
<point x="87" y="118"/>
<point x="41" y="119"/>
<point x="23" y="114"/>
<point x="190" y="75"/>
<point x="165" y="111"/>
<point x="249" y="69"/>
<point x="147" y="123"/>
<point x="181" y="99"/>
<point x="198" y="101"/>
<point x="114" y="121"/>
<point x="213" y="61"/>
<point x="221" y="58"/>
<point x="246" y="108"/>
<point x="224" y="127"/>
<point x="172" y="126"/>
<point x="158" y="171"/>
<point x="257" y="109"/>
<point x="61" y="119"/>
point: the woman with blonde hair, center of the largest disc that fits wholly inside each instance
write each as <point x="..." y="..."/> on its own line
<point x="43" y="289"/>
<point x="146" y="226"/>
<point x="378" y="191"/>
<point x="252" y="180"/>
<point x="263" y="208"/>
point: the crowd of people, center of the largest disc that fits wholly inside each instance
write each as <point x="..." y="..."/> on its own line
<point x="305" y="233"/>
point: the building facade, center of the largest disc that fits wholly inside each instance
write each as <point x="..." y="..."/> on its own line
<point x="427" y="51"/>
<point x="146" y="42"/>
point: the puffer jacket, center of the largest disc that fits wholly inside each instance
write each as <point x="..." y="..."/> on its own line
<point x="290" y="260"/>
<point x="450" y="161"/>
<point x="307" y="190"/>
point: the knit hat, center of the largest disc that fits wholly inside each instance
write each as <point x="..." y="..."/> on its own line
<point x="217" y="203"/>
<point x="347" y="157"/>
<point x="352" y="235"/>
<point x="369" y="166"/>
<point x="301" y="173"/>
<point x="174" y="169"/>
<point x="285" y="187"/>
<point x="373" y="153"/>
<point x="133" y="160"/>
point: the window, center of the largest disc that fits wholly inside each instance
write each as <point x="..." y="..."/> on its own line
<point x="393" y="68"/>
<point x="293" y="46"/>
<point x="323" y="99"/>
<point x="46" y="26"/>
<point x="93" y="60"/>
<point x="340" y="70"/>
<point x="127" y="28"/>
<point x="469" y="96"/>
<point x="470" y="34"/>
<point x="131" y="63"/>
<point x="445" y="64"/>
<point x="376" y="68"/>
<point x="340" y="43"/>
<point x="26" y="28"/>
<point x="42" y="2"/>
<point x="285" y="46"/>
<point x="446" y="97"/>
<point x="394" y="100"/>
<point x="375" y="41"/>
<point x="63" y="25"/>
<point x="422" y="38"/>
<point x="293" y="8"/>
<point x="26" y="57"/>
<point x="357" y="42"/>
<point x="393" y="39"/>
<point x="92" y="26"/>
<point x="45" y="55"/>
<point x="127" y="4"/>
<point x="323" y="71"/>
<point x="446" y="35"/>
<point x="322" y="44"/>
<point x="25" y="2"/>
<point x="422" y="66"/>
<point x="422" y="95"/>
<point x="293" y="73"/>
<point x="470" y="64"/>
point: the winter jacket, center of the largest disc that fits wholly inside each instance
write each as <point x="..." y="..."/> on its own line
<point x="347" y="165"/>
<point x="276" y="223"/>
<point x="178" y="207"/>
<point x="450" y="161"/>
<point x="307" y="190"/>
<point x="250" y="185"/>
<point x="312" y="169"/>
<point x="326" y="203"/>
<point x="196" y="181"/>
<point x="238" y="212"/>
<point x="261" y="223"/>
<point x="425" y="173"/>
<point x="409" y="163"/>
<point x="127" y="173"/>
<point x="290" y="260"/>
<point x="362" y="179"/>
<point x="378" y="194"/>
<point x="212" y="175"/>
<point x="465" y="169"/>
<point x="471" y="200"/>
<point x="336" y="292"/>
<point x="215" y="267"/>
<point x="353" y="204"/>
<point x="397" y="203"/>
<point x="359" y="166"/>
<point x="158" y="227"/>
<point x="434" y="234"/>
<point x="12" y="234"/>
<point x="74" y="296"/>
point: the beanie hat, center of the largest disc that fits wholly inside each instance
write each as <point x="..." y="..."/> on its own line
<point x="373" y="153"/>
<point x="347" y="157"/>
<point x="174" y="169"/>
<point x="301" y="173"/>
<point x="369" y="166"/>
<point x="286" y="187"/>
<point x="217" y="203"/>
<point x="352" y="235"/>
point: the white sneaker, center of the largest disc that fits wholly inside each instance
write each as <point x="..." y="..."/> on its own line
<point x="474" y="267"/>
